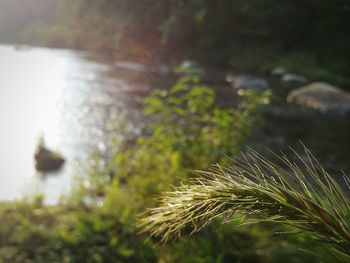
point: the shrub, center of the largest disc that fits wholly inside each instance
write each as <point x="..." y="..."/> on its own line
<point x="186" y="131"/>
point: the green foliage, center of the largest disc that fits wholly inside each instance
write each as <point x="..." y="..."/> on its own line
<point x="186" y="131"/>
<point x="246" y="243"/>
<point x="35" y="233"/>
<point x="186" y="116"/>
<point x="102" y="236"/>
<point x="57" y="234"/>
<point x="220" y="243"/>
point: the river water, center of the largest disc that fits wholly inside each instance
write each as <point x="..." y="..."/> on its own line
<point x="72" y="99"/>
<point x="68" y="98"/>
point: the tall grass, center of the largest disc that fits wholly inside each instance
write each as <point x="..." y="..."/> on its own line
<point x="298" y="193"/>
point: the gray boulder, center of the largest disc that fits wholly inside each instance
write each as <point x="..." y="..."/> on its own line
<point x="247" y="82"/>
<point x="294" y="78"/>
<point x="322" y="96"/>
<point x="277" y="72"/>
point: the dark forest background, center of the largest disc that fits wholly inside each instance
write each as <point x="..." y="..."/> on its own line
<point x="308" y="36"/>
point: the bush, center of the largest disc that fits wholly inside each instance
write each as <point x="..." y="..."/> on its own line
<point x="186" y="132"/>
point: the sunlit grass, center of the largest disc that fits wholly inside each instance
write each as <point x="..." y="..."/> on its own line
<point x="299" y="194"/>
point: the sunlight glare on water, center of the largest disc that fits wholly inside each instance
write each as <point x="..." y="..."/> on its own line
<point x="31" y="84"/>
<point x="68" y="97"/>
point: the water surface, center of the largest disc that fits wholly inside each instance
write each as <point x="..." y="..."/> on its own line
<point x="67" y="97"/>
<point x="73" y="99"/>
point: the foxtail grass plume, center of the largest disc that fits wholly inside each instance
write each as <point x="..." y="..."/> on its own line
<point x="300" y="194"/>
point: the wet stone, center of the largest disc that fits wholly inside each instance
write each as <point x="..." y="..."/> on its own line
<point x="247" y="82"/>
<point x="294" y="78"/>
<point x="321" y="96"/>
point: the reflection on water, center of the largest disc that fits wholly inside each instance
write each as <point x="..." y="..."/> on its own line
<point x="62" y="95"/>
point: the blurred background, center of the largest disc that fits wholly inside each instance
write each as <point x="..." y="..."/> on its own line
<point x="106" y="104"/>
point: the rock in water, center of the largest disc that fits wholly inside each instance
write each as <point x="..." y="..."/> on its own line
<point x="322" y="96"/>
<point x="277" y="72"/>
<point x="294" y="78"/>
<point x="47" y="160"/>
<point x="247" y="82"/>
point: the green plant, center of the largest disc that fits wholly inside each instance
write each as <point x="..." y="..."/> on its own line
<point x="186" y="131"/>
<point x="187" y="116"/>
<point x="303" y="196"/>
